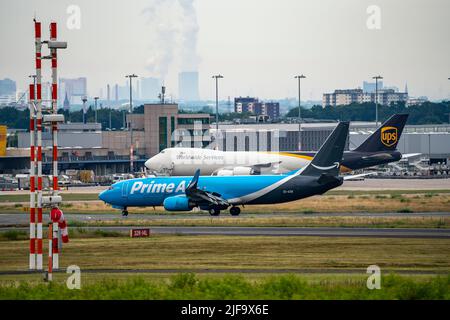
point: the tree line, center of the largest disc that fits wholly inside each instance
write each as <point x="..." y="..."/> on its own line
<point x="426" y="113"/>
<point x="19" y="119"/>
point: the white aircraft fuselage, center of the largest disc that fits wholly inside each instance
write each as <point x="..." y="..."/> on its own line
<point x="184" y="161"/>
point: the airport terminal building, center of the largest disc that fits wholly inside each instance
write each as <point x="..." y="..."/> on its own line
<point x="432" y="141"/>
<point x="87" y="147"/>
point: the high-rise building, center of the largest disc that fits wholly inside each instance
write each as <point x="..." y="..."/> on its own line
<point x="108" y="95"/>
<point x="124" y="91"/>
<point x="7" y="92"/>
<point x="150" y="88"/>
<point x="188" y="86"/>
<point x="7" y="87"/>
<point x="75" y="89"/>
<point x="370" y="87"/>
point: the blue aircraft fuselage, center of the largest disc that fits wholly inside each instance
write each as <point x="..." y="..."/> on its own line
<point x="262" y="189"/>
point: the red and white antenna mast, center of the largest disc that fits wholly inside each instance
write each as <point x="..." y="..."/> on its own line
<point x="50" y="118"/>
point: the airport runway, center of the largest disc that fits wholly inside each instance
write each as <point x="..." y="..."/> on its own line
<point x="282" y="231"/>
<point x="19" y="219"/>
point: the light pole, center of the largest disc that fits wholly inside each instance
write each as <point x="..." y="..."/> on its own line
<point x="95" y="111"/>
<point x="376" y="98"/>
<point x="131" y="76"/>
<point x="217" y="77"/>
<point x="300" y="77"/>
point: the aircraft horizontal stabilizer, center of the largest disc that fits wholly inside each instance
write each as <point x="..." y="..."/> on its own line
<point x="357" y="176"/>
<point x="410" y="155"/>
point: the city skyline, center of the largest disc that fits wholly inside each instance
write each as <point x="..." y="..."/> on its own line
<point x="257" y="58"/>
<point x="147" y="90"/>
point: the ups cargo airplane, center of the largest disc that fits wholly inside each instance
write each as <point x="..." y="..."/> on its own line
<point x="216" y="193"/>
<point x="378" y="148"/>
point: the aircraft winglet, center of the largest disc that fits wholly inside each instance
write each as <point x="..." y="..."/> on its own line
<point x="193" y="184"/>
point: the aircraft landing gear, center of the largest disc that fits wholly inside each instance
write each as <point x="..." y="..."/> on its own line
<point x="235" y="211"/>
<point x="214" y="212"/>
<point x="124" y="212"/>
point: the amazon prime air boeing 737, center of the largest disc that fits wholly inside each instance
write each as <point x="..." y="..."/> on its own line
<point x="216" y="193"/>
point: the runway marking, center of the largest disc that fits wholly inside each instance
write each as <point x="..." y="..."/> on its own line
<point x="283" y="231"/>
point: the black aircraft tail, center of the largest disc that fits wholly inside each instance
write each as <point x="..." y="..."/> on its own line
<point x="327" y="160"/>
<point x="386" y="137"/>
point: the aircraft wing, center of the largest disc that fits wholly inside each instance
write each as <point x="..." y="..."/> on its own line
<point x="265" y="165"/>
<point x="201" y="196"/>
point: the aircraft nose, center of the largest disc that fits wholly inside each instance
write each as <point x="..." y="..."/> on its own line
<point x="154" y="163"/>
<point x="103" y="195"/>
<point x="148" y="164"/>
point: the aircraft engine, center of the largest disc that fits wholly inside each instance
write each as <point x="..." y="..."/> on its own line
<point x="237" y="171"/>
<point x="177" y="203"/>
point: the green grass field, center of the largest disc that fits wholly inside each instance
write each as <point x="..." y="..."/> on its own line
<point x="241" y="253"/>
<point x="190" y="286"/>
<point x="321" y="267"/>
<point x="257" y="268"/>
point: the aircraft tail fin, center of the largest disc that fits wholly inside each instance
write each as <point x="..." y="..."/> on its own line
<point x="327" y="160"/>
<point x="387" y="135"/>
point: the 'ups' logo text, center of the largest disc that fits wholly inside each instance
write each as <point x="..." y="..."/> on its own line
<point x="389" y="136"/>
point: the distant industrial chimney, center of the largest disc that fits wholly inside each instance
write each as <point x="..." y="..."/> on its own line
<point x="162" y="94"/>
<point x="108" y="96"/>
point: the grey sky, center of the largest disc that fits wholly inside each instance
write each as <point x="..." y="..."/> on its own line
<point x="258" y="45"/>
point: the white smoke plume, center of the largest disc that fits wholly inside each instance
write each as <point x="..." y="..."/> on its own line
<point x="172" y="32"/>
